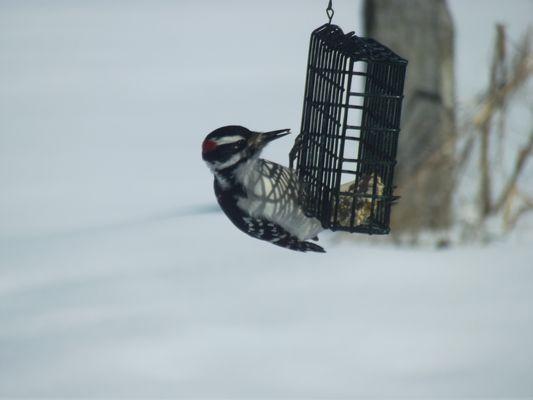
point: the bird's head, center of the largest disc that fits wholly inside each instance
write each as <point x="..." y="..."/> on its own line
<point x="231" y="145"/>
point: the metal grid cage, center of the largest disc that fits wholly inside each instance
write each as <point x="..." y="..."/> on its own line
<point x="346" y="151"/>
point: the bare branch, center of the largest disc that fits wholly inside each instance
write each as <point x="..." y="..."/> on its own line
<point x="525" y="208"/>
<point x="520" y="163"/>
<point x="522" y="71"/>
<point x="502" y="86"/>
<point x="466" y="152"/>
<point x="497" y="80"/>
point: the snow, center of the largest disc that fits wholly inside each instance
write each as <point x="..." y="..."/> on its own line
<point x="117" y="278"/>
<point x="158" y="310"/>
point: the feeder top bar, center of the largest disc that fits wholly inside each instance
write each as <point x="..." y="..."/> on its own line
<point x="363" y="49"/>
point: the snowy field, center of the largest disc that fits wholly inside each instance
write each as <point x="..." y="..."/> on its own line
<point x="118" y="278"/>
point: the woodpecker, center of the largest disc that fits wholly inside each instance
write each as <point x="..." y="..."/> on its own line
<point x="260" y="197"/>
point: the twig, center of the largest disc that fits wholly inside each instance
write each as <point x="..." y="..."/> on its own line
<point x="525" y="208"/>
<point x="520" y="163"/>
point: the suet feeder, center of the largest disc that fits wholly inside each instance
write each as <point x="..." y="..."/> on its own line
<point x="346" y="152"/>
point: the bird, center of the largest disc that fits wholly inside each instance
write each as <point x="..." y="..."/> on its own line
<point x="260" y="197"/>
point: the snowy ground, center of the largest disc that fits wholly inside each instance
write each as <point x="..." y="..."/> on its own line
<point x="118" y="280"/>
<point x="158" y="310"/>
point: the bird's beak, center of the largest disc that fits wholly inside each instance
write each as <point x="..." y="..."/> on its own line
<point x="260" y="139"/>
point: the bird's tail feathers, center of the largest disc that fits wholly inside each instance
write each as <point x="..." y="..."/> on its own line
<point x="293" y="243"/>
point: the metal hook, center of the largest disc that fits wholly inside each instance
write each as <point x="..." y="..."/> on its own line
<point x="329" y="11"/>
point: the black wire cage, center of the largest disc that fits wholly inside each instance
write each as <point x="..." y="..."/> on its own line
<point x="346" y="152"/>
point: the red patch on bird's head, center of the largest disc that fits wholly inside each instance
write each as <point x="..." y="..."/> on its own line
<point x="208" y="145"/>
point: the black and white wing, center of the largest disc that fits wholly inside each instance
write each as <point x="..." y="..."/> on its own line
<point x="258" y="227"/>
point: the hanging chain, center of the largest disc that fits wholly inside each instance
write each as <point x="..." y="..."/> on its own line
<point x="329" y="11"/>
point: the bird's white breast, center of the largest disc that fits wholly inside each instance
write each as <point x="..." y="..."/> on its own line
<point x="272" y="193"/>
